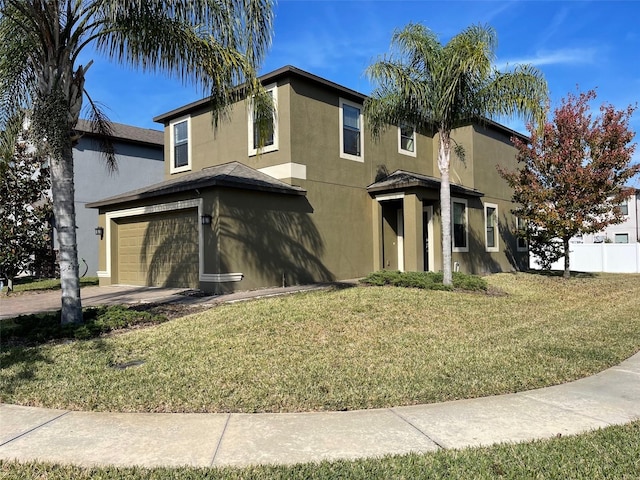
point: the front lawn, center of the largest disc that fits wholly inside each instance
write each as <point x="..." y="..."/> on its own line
<point x="30" y="284"/>
<point x="362" y="347"/>
<point x="613" y="452"/>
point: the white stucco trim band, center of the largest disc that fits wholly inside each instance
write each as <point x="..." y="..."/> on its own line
<point x="286" y="170"/>
<point x="389" y="196"/>
<point x="221" y="277"/>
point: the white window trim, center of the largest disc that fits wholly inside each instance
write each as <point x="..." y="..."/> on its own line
<point x="466" y="222"/>
<point x="348" y="156"/>
<point x="415" y="147"/>
<point x="187" y="167"/>
<point x="526" y="243"/>
<point x="273" y="88"/>
<point x="496" y="230"/>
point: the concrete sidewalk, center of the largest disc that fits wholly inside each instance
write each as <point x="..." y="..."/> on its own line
<point x="125" y="439"/>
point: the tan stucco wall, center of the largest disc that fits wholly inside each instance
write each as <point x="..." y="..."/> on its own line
<point x="264" y="236"/>
<point x="343" y="217"/>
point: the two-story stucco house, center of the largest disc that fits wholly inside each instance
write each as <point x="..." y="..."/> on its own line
<point x="140" y="161"/>
<point x="322" y="200"/>
<point x="627" y="231"/>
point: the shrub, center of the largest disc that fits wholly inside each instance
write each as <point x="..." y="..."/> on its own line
<point x="469" y="282"/>
<point x="424" y="280"/>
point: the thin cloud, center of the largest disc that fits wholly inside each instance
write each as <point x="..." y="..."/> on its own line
<point x="568" y="56"/>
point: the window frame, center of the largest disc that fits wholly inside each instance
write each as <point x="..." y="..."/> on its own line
<point x="616" y="235"/>
<point x="496" y="237"/>
<point x="454" y="248"/>
<point x="349" y="156"/>
<point x="624" y="208"/>
<point x="253" y="151"/>
<point x="519" y="226"/>
<point x="172" y="146"/>
<point x="413" y="136"/>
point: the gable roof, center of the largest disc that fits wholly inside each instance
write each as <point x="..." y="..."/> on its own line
<point x="401" y="180"/>
<point x="231" y="175"/>
<point x="126" y="133"/>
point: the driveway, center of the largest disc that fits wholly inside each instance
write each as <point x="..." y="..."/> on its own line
<point x="26" y="303"/>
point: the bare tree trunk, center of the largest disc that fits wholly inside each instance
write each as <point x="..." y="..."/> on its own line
<point x="567" y="271"/>
<point x="63" y="191"/>
<point x="444" y="154"/>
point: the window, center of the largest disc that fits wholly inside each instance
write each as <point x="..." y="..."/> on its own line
<point x="491" y="227"/>
<point x="621" y="238"/>
<point x="624" y="208"/>
<point x="521" y="235"/>
<point x="460" y="230"/>
<point x="270" y="141"/>
<point x="180" y="133"/>
<point x="407" y="140"/>
<point x="351" y="131"/>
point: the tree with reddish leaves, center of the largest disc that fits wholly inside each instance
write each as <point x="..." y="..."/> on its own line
<point x="573" y="175"/>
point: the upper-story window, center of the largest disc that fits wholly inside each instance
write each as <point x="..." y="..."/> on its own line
<point x="624" y="207"/>
<point x="491" y="227"/>
<point x="407" y="140"/>
<point x="270" y="133"/>
<point x="180" y="135"/>
<point x="351" y="138"/>
<point x="460" y="225"/>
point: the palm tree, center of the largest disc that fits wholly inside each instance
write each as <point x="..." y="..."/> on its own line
<point x="214" y="44"/>
<point x="439" y="87"/>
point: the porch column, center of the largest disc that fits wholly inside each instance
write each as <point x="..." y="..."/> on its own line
<point x="413" y="233"/>
<point x="376" y="221"/>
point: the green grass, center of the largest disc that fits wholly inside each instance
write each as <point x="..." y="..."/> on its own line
<point x="613" y="452"/>
<point x="362" y="347"/>
<point x="29" y="284"/>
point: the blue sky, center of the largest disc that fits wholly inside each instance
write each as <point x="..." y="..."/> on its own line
<point x="576" y="44"/>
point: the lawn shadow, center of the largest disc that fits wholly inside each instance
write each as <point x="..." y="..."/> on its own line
<point x="23" y="361"/>
<point x="559" y="273"/>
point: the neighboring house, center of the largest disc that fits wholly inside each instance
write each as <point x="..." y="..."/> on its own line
<point x="625" y="232"/>
<point x="140" y="155"/>
<point x="320" y="201"/>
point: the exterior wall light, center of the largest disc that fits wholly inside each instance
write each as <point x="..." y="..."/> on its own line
<point x="100" y="232"/>
<point x="205" y="219"/>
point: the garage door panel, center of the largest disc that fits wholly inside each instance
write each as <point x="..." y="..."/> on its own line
<point x="159" y="250"/>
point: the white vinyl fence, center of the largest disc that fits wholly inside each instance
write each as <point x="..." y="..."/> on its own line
<point x="600" y="257"/>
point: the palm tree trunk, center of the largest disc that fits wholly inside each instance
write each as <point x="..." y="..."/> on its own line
<point x="63" y="191"/>
<point x="444" y="155"/>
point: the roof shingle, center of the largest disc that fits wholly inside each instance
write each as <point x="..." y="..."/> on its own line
<point x="231" y="175"/>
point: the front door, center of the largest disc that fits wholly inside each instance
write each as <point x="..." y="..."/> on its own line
<point x="392" y="235"/>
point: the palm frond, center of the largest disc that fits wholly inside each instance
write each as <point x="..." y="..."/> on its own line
<point x="522" y="92"/>
<point x="216" y="45"/>
<point x="101" y="126"/>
